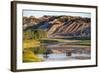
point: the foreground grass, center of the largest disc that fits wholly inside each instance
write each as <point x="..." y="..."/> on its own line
<point x="29" y="56"/>
<point x="30" y="43"/>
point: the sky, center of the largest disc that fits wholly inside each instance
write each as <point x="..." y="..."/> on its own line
<point x="39" y="13"/>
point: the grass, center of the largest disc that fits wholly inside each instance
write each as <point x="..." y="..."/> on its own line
<point x="85" y="42"/>
<point x="56" y="40"/>
<point x="29" y="48"/>
<point x="29" y="56"/>
<point x="81" y="43"/>
<point x="31" y="43"/>
<point x="38" y="50"/>
<point x="70" y="42"/>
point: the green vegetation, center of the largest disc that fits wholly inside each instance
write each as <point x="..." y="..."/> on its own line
<point x="31" y="45"/>
<point x="35" y="34"/>
<point x="80" y="42"/>
<point x="50" y="40"/>
<point x="84" y="42"/>
<point x="29" y="56"/>
<point x="69" y="42"/>
<point x="38" y="50"/>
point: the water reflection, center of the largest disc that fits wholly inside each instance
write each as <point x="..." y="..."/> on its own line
<point x="54" y="53"/>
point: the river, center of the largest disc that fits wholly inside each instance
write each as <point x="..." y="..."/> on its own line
<point x="61" y="51"/>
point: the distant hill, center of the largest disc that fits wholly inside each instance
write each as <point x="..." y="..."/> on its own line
<point x="59" y="25"/>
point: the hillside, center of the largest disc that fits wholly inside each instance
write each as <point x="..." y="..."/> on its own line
<point x="57" y="26"/>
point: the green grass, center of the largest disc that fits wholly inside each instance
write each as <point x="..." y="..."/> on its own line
<point x="29" y="56"/>
<point x="38" y="50"/>
<point x="31" y="43"/>
<point x="50" y="40"/>
<point x="84" y="42"/>
<point x="70" y="42"/>
<point x="81" y="42"/>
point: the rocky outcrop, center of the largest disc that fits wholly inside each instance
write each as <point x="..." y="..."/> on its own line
<point x="60" y="25"/>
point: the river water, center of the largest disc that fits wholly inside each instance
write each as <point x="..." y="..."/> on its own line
<point x="59" y="52"/>
<point x="60" y="57"/>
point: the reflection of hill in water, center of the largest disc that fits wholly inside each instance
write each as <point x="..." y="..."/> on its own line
<point x="62" y="57"/>
<point x="56" y="52"/>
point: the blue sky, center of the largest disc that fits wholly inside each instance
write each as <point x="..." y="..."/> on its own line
<point x="38" y="13"/>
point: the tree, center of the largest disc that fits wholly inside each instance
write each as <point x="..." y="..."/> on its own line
<point x="38" y="34"/>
